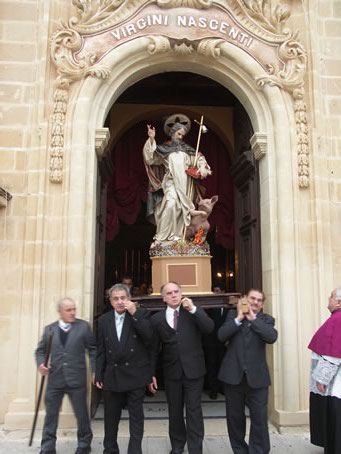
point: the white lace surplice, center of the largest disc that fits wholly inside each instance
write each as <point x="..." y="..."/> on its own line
<point x="326" y="370"/>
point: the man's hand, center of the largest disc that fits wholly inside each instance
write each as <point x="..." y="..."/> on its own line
<point x="250" y="315"/>
<point x="322" y="388"/>
<point x="187" y="304"/>
<point x="151" y="133"/>
<point x="43" y="370"/>
<point x="152" y="387"/>
<point x="99" y="384"/>
<point x="130" y="307"/>
<point x="240" y="313"/>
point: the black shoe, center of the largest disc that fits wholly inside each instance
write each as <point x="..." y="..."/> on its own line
<point x="83" y="450"/>
<point x="213" y="395"/>
<point x="177" y="451"/>
<point x="50" y="451"/>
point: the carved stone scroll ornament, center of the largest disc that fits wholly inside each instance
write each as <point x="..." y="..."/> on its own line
<point x="161" y="44"/>
<point x="291" y="79"/>
<point x="63" y="44"/>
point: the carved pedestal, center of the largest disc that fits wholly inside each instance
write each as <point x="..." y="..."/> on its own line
<point x="192" y="272"/>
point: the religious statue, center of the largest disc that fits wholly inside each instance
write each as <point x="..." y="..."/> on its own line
<point x="171" y="168"/>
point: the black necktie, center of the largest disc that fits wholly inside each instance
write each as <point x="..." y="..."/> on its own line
<point x="175" y="320"/>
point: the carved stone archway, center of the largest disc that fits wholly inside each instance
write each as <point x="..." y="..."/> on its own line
<point x="268" y="110"/>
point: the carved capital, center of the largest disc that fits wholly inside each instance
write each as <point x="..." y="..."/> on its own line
<point x="101" y="142"/>
<point x="259" y="145"/>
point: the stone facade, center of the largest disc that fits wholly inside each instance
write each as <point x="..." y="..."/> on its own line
<point x="48" y="166"/>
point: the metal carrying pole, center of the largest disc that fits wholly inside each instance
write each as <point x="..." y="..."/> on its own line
<point x="191" y="183"/>
<point x="47" y="357"/>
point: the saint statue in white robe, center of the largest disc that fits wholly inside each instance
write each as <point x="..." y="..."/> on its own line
<point x="170" y="197"/>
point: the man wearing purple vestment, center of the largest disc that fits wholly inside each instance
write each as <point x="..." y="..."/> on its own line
<point x="325" y="380"/>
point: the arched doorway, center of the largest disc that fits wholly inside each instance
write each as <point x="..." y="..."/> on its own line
<point x="123" y="233"/>
<point x="271" y="119"/>
<point x="124" y="182"/>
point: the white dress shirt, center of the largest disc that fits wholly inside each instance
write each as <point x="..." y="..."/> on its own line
<point x="170" y="314"/>
<point x="119" y="319"/>
<point x="64" y="326"/>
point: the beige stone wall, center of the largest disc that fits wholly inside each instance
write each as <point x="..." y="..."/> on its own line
<point x="328" y="123"/>
<point x="27" y="227"/>
<point x="47" y="230"/>
<point x="20" y="69"/>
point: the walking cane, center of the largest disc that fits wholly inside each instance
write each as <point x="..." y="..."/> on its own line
<point x="202" y="129"/>
<point x="47" y="357"/>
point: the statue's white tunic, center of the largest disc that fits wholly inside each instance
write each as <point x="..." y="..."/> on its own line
<point x="173" y="213"/>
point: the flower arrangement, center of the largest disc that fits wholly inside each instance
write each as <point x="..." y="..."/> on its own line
<point x="180" y="247"/>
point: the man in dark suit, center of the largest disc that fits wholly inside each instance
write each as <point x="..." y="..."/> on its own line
<point x="123" y="368"/>
<point x="66" y="374"/>
<point x="178" y="329"/>
<point x="245" y="373"/>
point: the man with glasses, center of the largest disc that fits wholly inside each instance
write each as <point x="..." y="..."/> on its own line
<point x="245" y="373"/>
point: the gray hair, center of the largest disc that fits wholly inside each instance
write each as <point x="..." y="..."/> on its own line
<point x="337" y="291"/>
<point x="170" y="282"/>
<point x="119" y="288"/>
<point x="61" y="302"/>
<point x="177" y="127"/>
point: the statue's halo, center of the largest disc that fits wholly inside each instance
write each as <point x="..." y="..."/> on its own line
<point x="177" y="118"/>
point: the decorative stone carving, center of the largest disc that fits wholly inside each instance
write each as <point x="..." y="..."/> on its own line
<point x="272" y="19"/>
<point x="101" y="142"/>
<point x="256" y="26"/>
<point x="211" y="47"/>
<point x="291" y="79"/>
<point x="57" y="136"/>
<point x="161" y="44"/>
<point x="183" y="48"/>
<point x="259" y="145"/>
<point x="158" y="44"/>
<point x="63" y="45"/>
<point x="302" y="138"/>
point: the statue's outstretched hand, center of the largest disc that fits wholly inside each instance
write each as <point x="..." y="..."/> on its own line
<point x="151" y="132"/>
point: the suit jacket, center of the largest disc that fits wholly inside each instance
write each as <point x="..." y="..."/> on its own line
<point x="245" y="349"/>
<point x="68" y="362"/>
<point x="182" y="349"/>
<point x="124" y="365"/>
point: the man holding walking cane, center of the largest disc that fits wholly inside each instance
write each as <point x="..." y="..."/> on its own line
<point x="67" y="374"/>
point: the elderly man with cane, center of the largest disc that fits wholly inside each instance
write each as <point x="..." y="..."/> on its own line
<point x="67" y="374"/>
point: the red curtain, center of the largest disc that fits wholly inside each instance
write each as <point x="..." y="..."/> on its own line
<point x="129" y="183"/>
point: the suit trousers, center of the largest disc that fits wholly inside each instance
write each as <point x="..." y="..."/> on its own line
<point x="113" y="404"/>
<point x="53" y="402"/>
<point x="188" y="392"/>
<point x="236" y="396"/>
